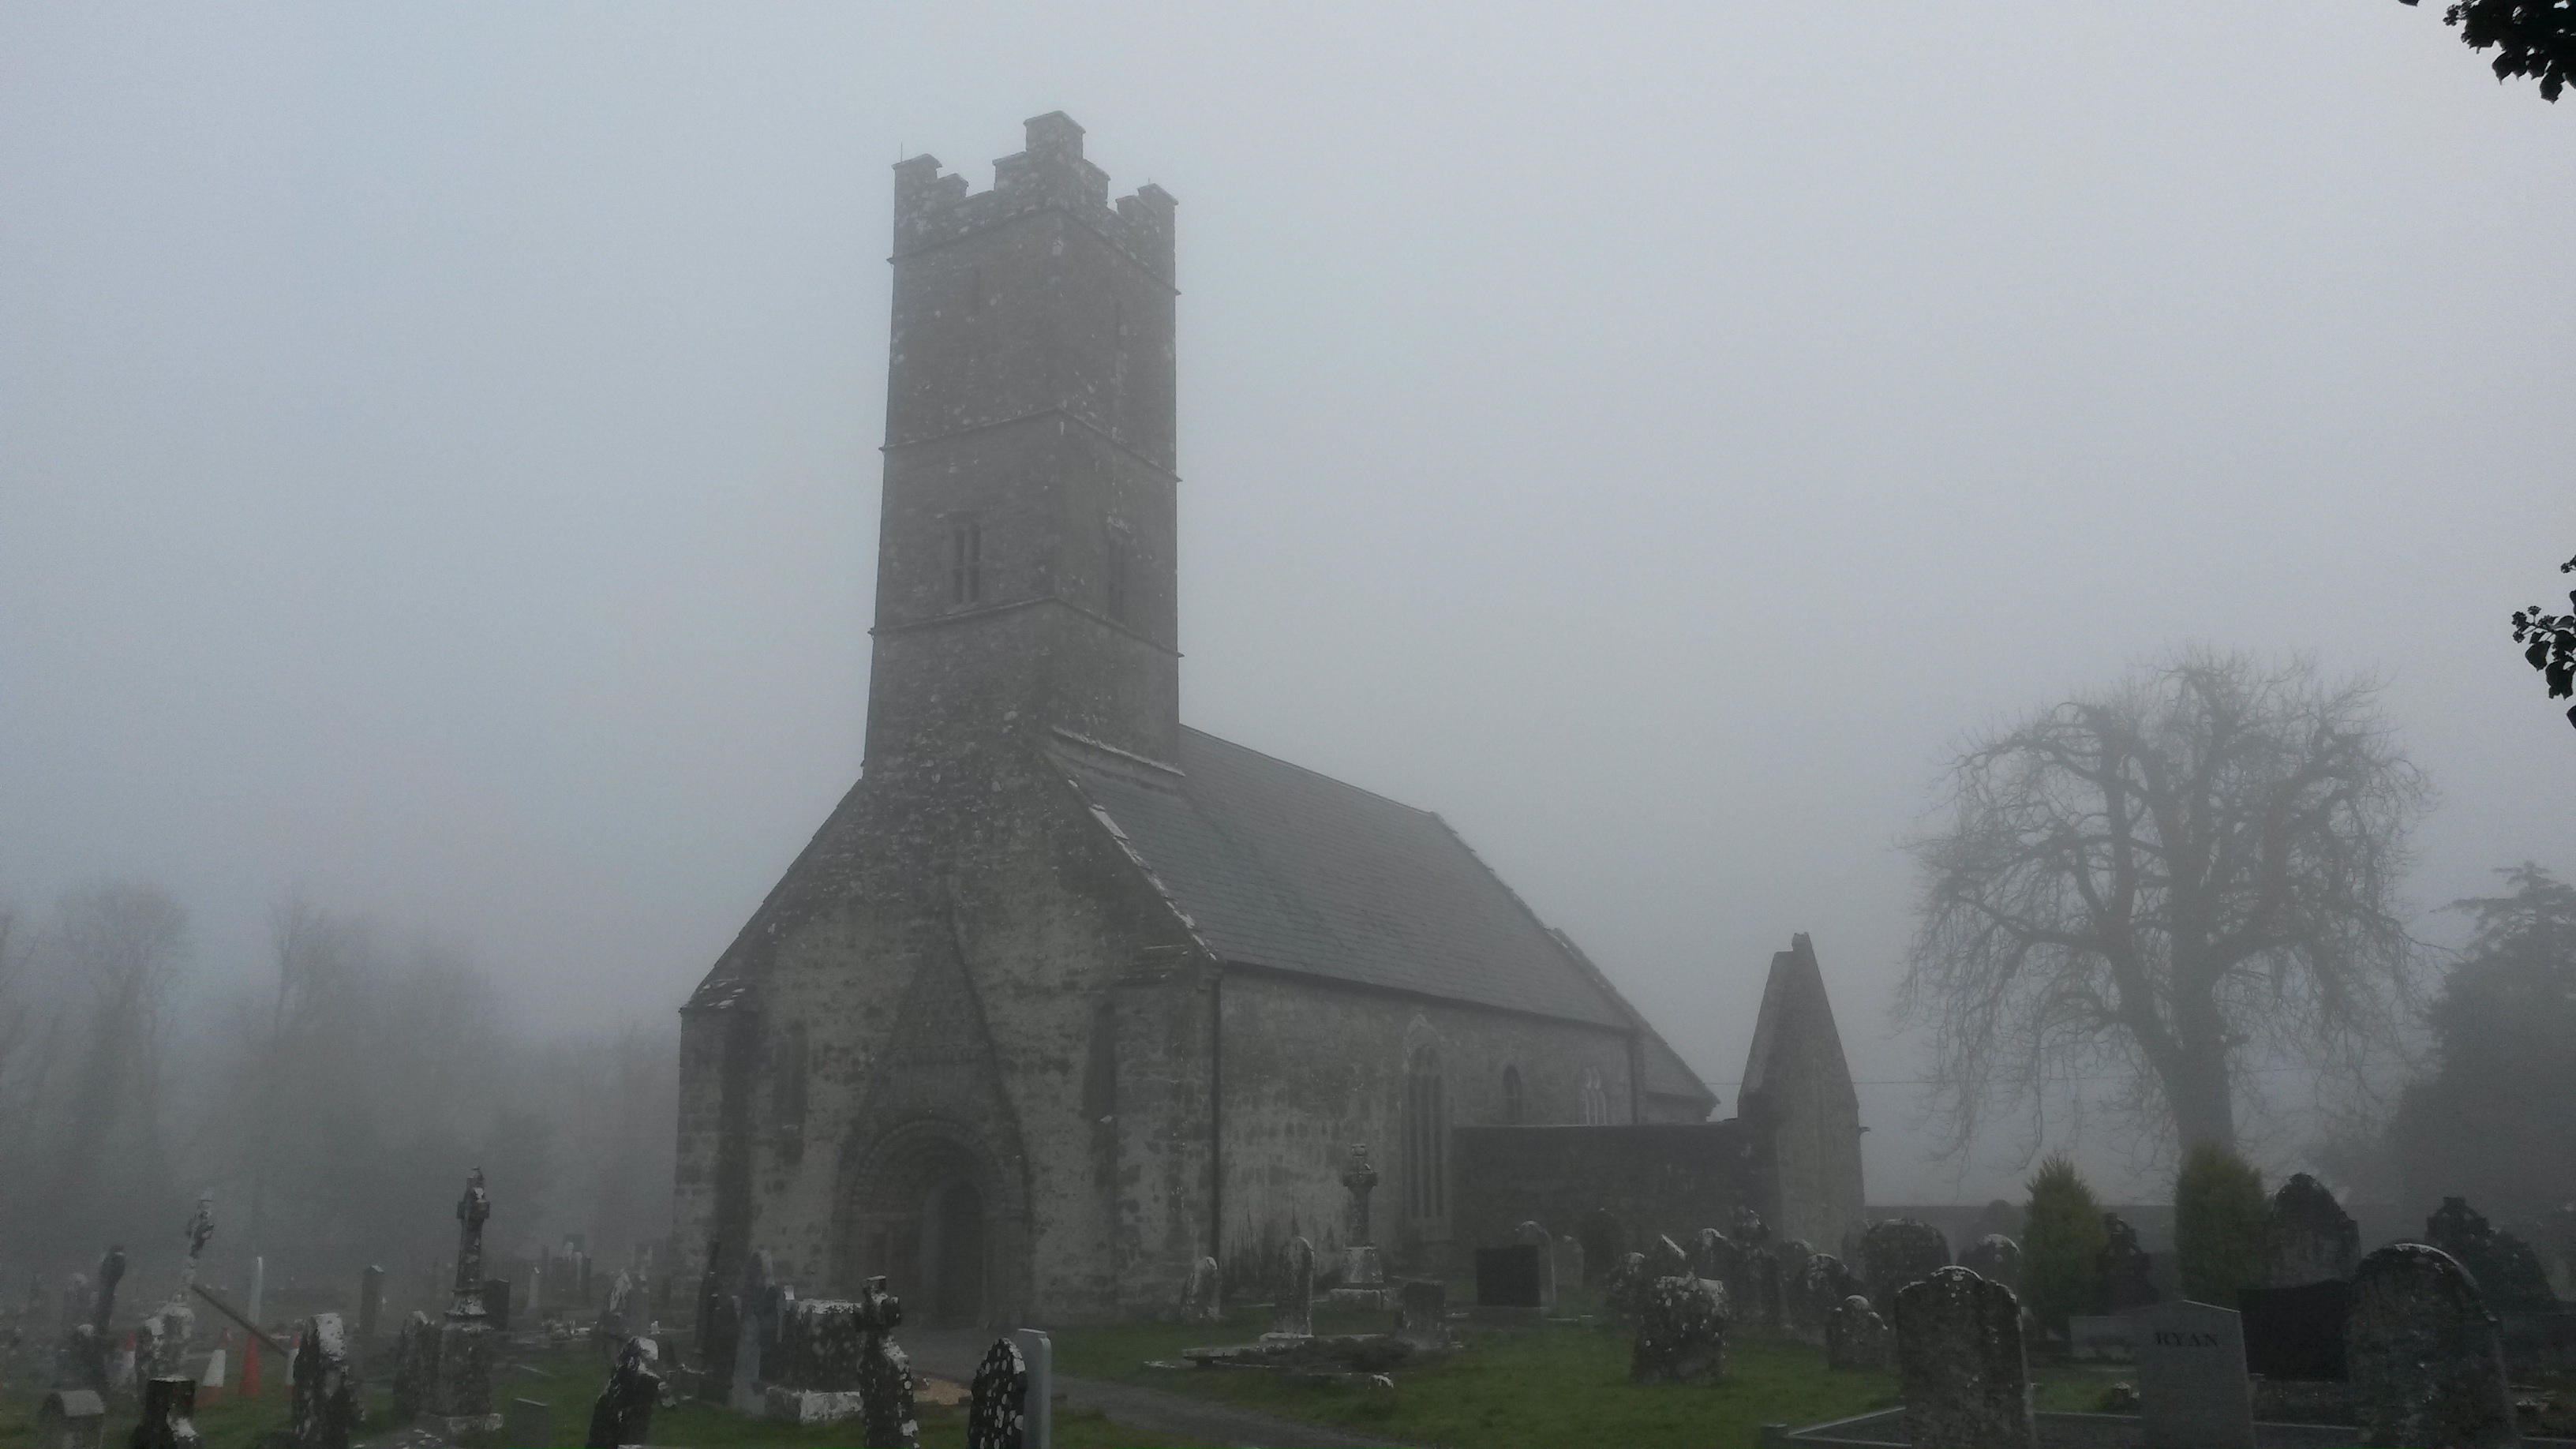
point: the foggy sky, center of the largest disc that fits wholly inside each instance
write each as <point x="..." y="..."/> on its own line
<point x="437" y="444"/>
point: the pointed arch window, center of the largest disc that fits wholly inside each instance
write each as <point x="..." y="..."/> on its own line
<point x="965" y="558"/>
<point x="1426" y="1137"/>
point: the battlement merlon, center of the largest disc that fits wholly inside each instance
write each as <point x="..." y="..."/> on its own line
<point x="932" y="210"/>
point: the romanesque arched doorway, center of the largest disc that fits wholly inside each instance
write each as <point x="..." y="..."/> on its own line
<point x="931" y="1215"/>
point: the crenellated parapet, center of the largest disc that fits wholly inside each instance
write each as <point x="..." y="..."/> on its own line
<point x="932" y="210"/>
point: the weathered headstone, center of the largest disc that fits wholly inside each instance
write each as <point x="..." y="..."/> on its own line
<point x="2296" y="1333"/>
<point x="1512" y="1276"/>
<point x="1716" y="1257"/>
<point x="528" y="1424"/>
<point x="623" y="1413"/>
<point x="1422" y="1313"/>
<point x="2509" y="1274"/>
<point x="1532" y="1235"/>
<point x="1959" y="1358"/>
<point x="71" y="1419"/>
<point x="1760" y="1306"/>
<point x="415" y="1365"/>
<point x="1037" y="1419"/>
<point x="1815" y="1295"/>
<point x="1793" y="1254"/>
<point x="1604" y="1240"/>
<point x="497" y="1302"/>
<point x="371" y="1304"/>
<point x="322" y="1408"/>
<point x="1565" y="1261"/>
<point x="1200" y="1301"/>
<point x="2125" y="1269"/>
<point x="999" y="1402"/>
<point x="2192" y="1390"/>
<point x="885" y="1380"/>
<point x="2426" y="1357"/>
<point x="2307" y="1236"/>
<point x="1294" y="1309"/>
<point x="1856" y="1337"/>
<point x="1623" y="1290"/>
<point x="169" y="1416"/>
<point x="1681" y="1333"/>
<point x="1746" y="1227"/>
<point x="1995" y="1258"/>
<point x="1900" y="1251"/>
<point x="812" y="1375"/>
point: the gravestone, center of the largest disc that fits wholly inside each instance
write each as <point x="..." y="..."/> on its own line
<point x="1746" y="1227"/>
<point x="2426" y="1356"/>
<point x="1995" y="1258"/>
<point x="322" y="1406"/>
<point x="2192" y="1391"/>
<point x="371" y="1305"/>
<point x="2296" y="1333"/>
<point x="1533" y="1236"/>
<point x="1294" y="1310"/>
<point x="1363" y="1271"/>
<point x="2307" y="1237"/>
<point x="623" y="1413"/>
<point x="1422" y="1313"/>
<point x="1716" y="1257"/>
<point x="1565" y="1261"/>
<point x="415" y="1365"/>
<point x="1623" y="1289"/>
<point x="1815" y="1295"/>
<point x="717" y="1353"/>
<point x="1960" y="1361"/>
<point x="463" y="1385"/>
<point x="1037" y="1419"/>
<point x="496" y="1303"/>
<point x="1760" y="1305"/>
<point x="169" y="1416"/>
<point x="2125" y="1270"/>
<point x="1604" y="1240"/>
<point x="813" y="1374"/>
<point x="1199" y="1296"/>
<point x="885" y="1380"/>
<point x="528" y="1424"/>
<point x="1511" y="1276"/>
<point x="1856" y="1337"/>
<point x="1793" y="1254"/>
<point x="71" y="1419"/>
<point x="1665" y="1258"/>
<point x="1899" y="1251"/>
<point x="994" y="1418"/>
<point x="2510" y="1276"/>
<point x="1681" y="1333"/>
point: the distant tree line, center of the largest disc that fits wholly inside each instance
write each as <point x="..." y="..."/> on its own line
<point x="333" y="1111"/>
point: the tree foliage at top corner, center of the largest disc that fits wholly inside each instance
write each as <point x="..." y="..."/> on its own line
<point x="2549" y="642"/>
<point x="2536" y="38"/>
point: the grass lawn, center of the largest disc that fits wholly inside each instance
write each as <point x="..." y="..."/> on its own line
<point x="231" y="1422"/>
<point x="1556" y="1384"/>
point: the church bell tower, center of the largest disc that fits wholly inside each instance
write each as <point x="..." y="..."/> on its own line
<point x="1025" y="565"/>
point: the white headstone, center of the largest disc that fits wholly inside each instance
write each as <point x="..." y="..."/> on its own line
<point x="1037" y="1411"/>
<point x="2192" y="1389"/>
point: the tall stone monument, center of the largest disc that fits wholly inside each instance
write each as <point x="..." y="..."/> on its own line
<point x="1363" y="1276"/>
<point x="463" y="1389"/>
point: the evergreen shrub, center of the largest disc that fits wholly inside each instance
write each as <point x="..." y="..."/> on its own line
<point x="2219" y="1211"/>
<point x="2062" y="1235"/>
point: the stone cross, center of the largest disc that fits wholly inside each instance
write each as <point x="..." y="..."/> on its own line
<point x="2307" y="1236"/>
<point x="1359" y="1177"/>
<point x="1681" y="1333"/>
<point x="2192" y="1390"/>
<point x="1295" y="1310"/>
<point x="999" y="1406"/>
<point x="472" y="1210"/>
<point x="2426" y="1358"/>
<point x="1960" y="1363"/>
<point x="885" y="1379"/>
<point x="623" y="1412"/>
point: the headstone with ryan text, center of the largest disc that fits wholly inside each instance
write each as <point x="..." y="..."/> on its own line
<point x="2192" y="1391"/>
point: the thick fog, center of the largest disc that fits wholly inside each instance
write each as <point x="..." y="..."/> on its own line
<point x="438" y="461"/>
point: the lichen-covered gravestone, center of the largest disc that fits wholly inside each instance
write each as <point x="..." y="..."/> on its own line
<point x="1900" y="1251"/>
<point x="2125" y="1269"/>
<point x="1623" y="1288"/>
<point x="2192" y="1389"/>
<point x="169" y="1410"/>
<point x="2510" y="1276"/>
<point x="1960" y="1362"/>
<point x="322" y="1409"/>
<point x="2307" y="1236"/>
<point x="812" y="1375"/>
<point x="1759" y="1305"/>
<point x="1995" y="1258"/>
<point x="885" y="1379"/>
<point x="1422" y="1313"/>
<point x="1814" y="1295"/>
<point x="415" y="1364"/>
<point x="623" y="1413"/>
<point x="1681" y="1333"/>
<point x="2426" y="1358"/>
<point x="994" y="1418"/>
<point x="1200" y="1302"/>
<point x="1856" y="1337"/>
<point x="1295" y="1310"/>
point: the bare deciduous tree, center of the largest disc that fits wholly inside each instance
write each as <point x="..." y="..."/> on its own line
<point x="2147" y="883"/>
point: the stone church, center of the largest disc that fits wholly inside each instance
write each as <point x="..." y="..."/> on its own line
<point x="1065" y="995"/>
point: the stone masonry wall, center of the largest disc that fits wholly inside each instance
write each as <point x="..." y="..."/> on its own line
<point x="1657" y="1178"/>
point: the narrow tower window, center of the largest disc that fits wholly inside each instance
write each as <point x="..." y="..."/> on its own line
<point x="1426" y="1137"/>
<point x="965" y="559"/>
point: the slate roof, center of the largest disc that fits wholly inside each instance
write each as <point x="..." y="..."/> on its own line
<point x="1278" y="866"/>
